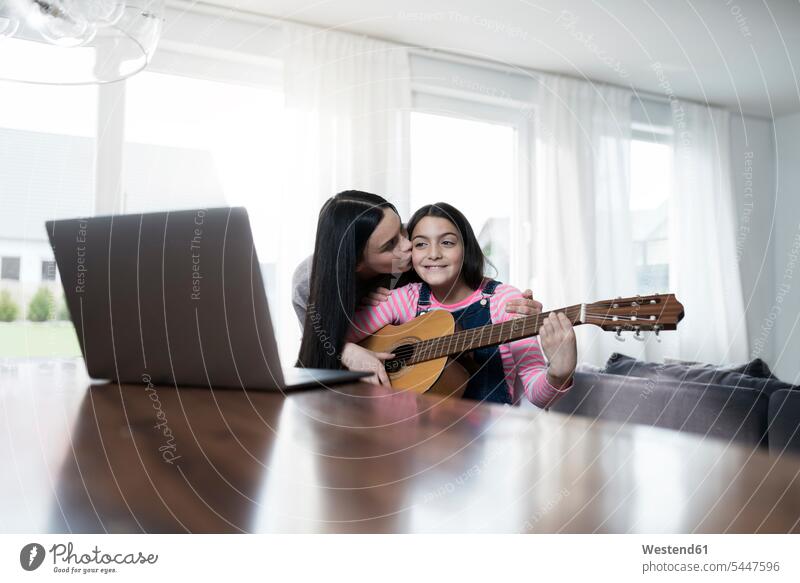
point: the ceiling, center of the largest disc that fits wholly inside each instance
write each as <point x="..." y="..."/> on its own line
<point x="742" y="54"/>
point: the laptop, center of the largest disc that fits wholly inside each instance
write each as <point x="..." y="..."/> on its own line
<point x="174" y="298"/>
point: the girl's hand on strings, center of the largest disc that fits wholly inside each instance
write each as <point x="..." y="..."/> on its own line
<point x="355" y="357"/>
<point x="557" y="338"/>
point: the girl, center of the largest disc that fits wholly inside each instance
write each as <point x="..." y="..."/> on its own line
<point x="360" y="242"/>
<point x="449" y="265"/>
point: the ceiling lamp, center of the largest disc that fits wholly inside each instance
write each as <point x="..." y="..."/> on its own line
<point x="73" y="42"/>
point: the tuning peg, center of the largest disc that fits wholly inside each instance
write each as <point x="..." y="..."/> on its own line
<point x="657" y="329"/>
<point x="638" y="335"/>
<point x="618" y="335"/>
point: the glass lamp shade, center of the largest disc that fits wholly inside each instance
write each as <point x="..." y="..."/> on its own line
<point x="74" y="42"/>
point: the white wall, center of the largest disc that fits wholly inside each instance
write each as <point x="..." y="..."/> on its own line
<point x="753" y="169"/>
<point x="765" y="157"/>
<point x="787" y="249"/>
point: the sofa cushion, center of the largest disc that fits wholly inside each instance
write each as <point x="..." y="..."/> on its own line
<point x="784" y="422"/>
<point x="709" y="410"/>
<point x="754" y="368"/>
<point x="620" y="364"/>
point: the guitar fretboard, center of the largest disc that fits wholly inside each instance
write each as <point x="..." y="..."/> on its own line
<point x="490" y="335"/>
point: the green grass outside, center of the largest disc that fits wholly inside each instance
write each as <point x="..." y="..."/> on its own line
<point x="38" y="339"/>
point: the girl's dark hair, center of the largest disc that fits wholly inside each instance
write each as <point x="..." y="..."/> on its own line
<point x="346" y="222"/>
<point x="474" y="260"/>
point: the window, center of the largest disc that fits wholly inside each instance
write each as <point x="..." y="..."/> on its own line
<point x="651" y="183"/>
<point x="48" y="270"/>
<point x="10" y="268"/>
<point x="193" y="143"/>
<point x="470" y="164"/>
<point x="47" y="147"/>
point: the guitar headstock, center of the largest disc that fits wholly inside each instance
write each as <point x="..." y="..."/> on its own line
<point x="639" y="313"/>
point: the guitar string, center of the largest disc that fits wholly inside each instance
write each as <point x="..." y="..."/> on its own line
<point x="641" y="301"/>
<point x="527" y="322"/>
<point x="426" y="348"/>
<point x="434" y="345"/>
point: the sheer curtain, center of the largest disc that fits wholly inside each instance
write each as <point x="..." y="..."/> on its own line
<point x="583" y="220"/>
<point x="348" y="99"/>
<point x="704" y="271"/>
<point x="583" y="245"/>
<point x="346" y="126"/>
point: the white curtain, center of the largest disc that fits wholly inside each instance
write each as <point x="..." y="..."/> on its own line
<point x="704" y="271"/>
<point x="346" y="126"/>
<point x="349" y="98"/>
<point x="582" y="220"/>
<point x="583" y="244"/>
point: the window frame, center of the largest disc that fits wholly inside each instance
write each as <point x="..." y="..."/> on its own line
<point x="49" y="270"/>
<point x="648" y="130"/>
<point x="177" y="55"/>
<point x="510" y="113"/>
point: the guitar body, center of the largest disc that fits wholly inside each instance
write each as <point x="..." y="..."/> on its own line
<point x="442" y="376"/>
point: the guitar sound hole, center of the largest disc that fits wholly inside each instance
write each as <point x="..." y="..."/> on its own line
<point x="393" y="365"/>
<point x="401" y="354"/>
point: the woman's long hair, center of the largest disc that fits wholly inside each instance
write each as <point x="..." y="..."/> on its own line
<point x="472" y="270"/>
<point x="346" y="222"/>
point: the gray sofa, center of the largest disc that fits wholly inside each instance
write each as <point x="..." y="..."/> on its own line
<point x="744" y="416"/>
<point x="784" y="421"/>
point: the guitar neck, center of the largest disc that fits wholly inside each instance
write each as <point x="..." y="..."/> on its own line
<point x="490" y="335"/>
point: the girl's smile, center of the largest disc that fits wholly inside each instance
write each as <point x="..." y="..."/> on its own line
<point x="437" y="254"/>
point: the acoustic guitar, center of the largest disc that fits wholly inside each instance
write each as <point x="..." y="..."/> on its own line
<point x="431" y="353"/>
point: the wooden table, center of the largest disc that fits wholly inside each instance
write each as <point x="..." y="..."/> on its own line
<point x="101" y="458"/>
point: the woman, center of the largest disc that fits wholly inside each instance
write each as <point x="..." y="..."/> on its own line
<point x="360" y="244"/>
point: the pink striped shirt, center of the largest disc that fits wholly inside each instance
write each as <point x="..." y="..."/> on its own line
<point x="523" y="362"/>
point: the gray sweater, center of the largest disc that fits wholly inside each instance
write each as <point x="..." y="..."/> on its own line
<point x="301" y="282"/>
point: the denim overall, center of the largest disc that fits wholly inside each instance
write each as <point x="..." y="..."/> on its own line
<point x="488" y="382"/>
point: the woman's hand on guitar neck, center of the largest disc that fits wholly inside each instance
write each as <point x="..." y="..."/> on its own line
<point x="355" y="357"/>
<point x="557" y="338"/>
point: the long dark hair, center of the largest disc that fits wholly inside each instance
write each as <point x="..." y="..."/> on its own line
<point x="475" y="261"/>
<point x="346" y="222"/>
